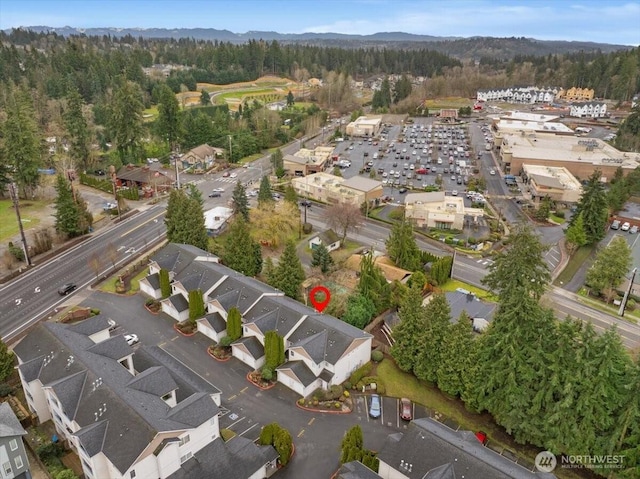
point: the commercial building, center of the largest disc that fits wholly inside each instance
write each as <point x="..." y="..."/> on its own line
<point x="364" y="126"/>
<point x="507" y="125"/>
<point x="580" y="156"/>
<point x="334" y="189"/>
<point x="306" y="162"/>
<point x="215" y="219"/>
<point x="556" y="182"/>
<point x="436" y="210"/>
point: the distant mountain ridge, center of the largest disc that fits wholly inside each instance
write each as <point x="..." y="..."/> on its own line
<point x="460" y="47"/>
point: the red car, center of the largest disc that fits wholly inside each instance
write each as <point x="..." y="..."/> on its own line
<point x="406" y="409"/>
<point x="421" y="171"/>
<point x="226" y="174"/>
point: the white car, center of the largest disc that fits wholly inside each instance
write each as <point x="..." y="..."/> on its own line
<point x="454" y="193"/>
<point x="384" y="175"/>
<point x="385" y="182"/>
<point x="131" y="339"/>
<point x="233" y="175"/>
<point x="492" y="172"/>
<point x="218" y="190"/>
<point x="625" y="226"/>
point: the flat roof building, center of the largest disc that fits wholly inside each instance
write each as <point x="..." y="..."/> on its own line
<point x="335" y="189"/>
<point x="511" y="126"/>
<point x="556" y="182"/>
<point x="364" y="126"/>
<point x="306" y="162"/>
<point x="580" y="156"/>
<point x="435" y="210"/>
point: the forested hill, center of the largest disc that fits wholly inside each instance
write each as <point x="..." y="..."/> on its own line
<point x="462" y="48"/>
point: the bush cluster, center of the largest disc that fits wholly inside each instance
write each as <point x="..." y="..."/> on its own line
<point x="359" y="373"/>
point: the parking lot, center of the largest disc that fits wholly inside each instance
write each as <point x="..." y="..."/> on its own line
<point x="389" y="411"/>
<point x="410" y="157"/>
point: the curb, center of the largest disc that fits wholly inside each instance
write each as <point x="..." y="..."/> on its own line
<point x="186" y="335"/>
<point x="145" y="307"/>
<point x="257" y="385"/>
<point x="218" y="359"/>
<point x="324" y="411"/>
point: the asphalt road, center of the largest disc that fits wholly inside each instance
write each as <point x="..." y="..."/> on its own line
<point x="34" y="295"/>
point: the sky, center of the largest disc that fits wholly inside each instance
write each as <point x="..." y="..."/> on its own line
<point x="602" y="21"/>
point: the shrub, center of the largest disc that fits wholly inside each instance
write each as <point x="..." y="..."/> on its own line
<point x="346" y="394"/>
<point x="301" y="401"/>
<point x="95" y="311"/>
<point x="377" y="356"/>
<point x="49" y="451"/>
<point x="359" y="373"/>
<point x="560" y="214"/>
<point x="337" y="405"/>
<point x="267" y="373"/>
<point x="334" y="392"/>
<point x="225" y="342"/>
<point x="347" y="385"/>
<point x="149" y="301"/>
<point x="307" y="228"/>
<point x="16" y="252"/>
<point x="5" y="390"/>
<point x="631" y="304"/>
<point x="66" y="474"/>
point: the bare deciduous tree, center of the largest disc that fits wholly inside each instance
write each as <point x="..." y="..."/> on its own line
<point x="343" y="217"/>
<point x="95" y="263"/>
<point x="112" y="254"/>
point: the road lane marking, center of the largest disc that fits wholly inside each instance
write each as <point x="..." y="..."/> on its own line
<point x="141" y="225"/>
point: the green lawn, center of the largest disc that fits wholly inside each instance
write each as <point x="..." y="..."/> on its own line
<point x="9" y="222"/>
<point x="454" y="284"/>
<point x="574" y="264"/>
<point x="109" y="285"/>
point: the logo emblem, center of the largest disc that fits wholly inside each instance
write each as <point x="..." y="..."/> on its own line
<point x="546" y="461"/>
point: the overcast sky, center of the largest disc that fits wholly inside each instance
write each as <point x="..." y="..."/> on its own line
<point x="603" y="21"/>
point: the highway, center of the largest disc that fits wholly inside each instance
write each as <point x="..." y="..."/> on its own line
<point x="34" y="295"/>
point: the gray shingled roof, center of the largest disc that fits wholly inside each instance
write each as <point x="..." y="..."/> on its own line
<point x="9" y="424"/>
<point x="459" y="302"/>
<point x="277" y="313"/>
<point x="216" y="321"/>
<point x="460" y="449"/>
<point x="115" y="347"/>
<point x="238" y="458"/>
<point x="179" y="302"/>
<point x="252" y="345"/>
<point x="156" y="380"/>
<point x="234" y="292"/>
<point x="356" y="470"/>
<point x="133" y="418"/>
<point x="300" y="370"/>
<point x="93" y="436"/>
<point x="91" y="325"/>
<point x="153" y="280"/>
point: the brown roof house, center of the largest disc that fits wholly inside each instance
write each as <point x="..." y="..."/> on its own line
<point x="200" y="159"/>
<point x="149" y="177"/>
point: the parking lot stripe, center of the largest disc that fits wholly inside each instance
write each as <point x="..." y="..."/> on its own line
<point x="247" y="430"/>
<point x="174" y="338"/>
<point x="232" y="397"/>
<point x="301" y="433"/>
<point x="244" y="389"/>
<point x="311" y="421"/>
<point x="236" y="422"/>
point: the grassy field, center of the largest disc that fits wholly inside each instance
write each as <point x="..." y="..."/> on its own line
<point x="574" y="264"/>
<point x="241" y="94"/>
<point x="9" y="222"/>
<point x="109" y="285"/>
<point x="448" y="102"/>
<point x="454" y="284"/>
<point x="150" y="114"/>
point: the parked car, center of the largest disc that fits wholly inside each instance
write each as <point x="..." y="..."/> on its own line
<point x="215" y="194"/>
<point x="66" y="288"/>
<point x="625" y="226"/>
<point x="402" y="191"/>
<point x="112" y="324"/>
<point x="131" y="339"/>
<point x="406" y="409"/>
<point x="374" y="406"/>
<point x="109" y="206"/>
<point x="306" y="203"/>
<point x="633" y="230"/>
<point x="615" y="225"/>
<point x="226" y="174"/>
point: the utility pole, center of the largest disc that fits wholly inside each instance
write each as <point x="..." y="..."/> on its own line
<point x="623" y="304"/>
<point x="230" y="151"/>
<point x="13" y="191"/>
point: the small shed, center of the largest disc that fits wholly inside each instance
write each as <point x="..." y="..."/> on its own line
<point x="328" y="238"/>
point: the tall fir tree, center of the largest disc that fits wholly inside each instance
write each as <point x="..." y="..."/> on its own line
<point x="68" y="214"/>
<point x="408" y="334"/>
<point x="402" y="247"/>
<point x="241" y="252"/>
<point x="234" y="324"/>
<point x="373" y="284"/>
<point x="593" y="208"/>
<point x="78" y="132"/>
<point x="321" y="258"/>
<point x="457" y="356"/>
<point x="289" y="275"/>
<point x="125" y="120"/>
<point x="436" y="326"/>
<point x="240" y="201"/>
<point x="265" y="197"/>
<point x="168" y="123"/>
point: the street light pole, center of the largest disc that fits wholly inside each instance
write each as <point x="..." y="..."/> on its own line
<point x="13" y="191"/>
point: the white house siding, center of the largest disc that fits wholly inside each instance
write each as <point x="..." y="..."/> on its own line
<point x="285" y="378"/>
<point x="387" y="472"/>
<point x="168" y="308"/>
<point x="208" y="331"/>
<point x="351" y="361"/>
<point x="147" y="289"/>
<point x="238" y="351"/>
<point x="168" y="460"/>
<point x="39" y="402"/>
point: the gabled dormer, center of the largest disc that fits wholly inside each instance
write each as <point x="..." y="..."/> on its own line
<point x="157" y="381"/>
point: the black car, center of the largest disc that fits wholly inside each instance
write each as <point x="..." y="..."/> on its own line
<point x="215" y="194"/>
<point x="67" y="288"/>
<point x="306" y="203"/>
<point x="402" y="191"/>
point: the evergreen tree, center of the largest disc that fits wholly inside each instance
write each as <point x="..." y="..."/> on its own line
<point x="436" y="326"/>
<point x="194" y="222"/>
<point x="265" y="197"/>
<point x="575" y="234"/>
<point x="372" y="284"/>
<point x="21" y="152"/>
<point x="402" y="247"/>
<point x="402" y="89"/>
<point x="168" y="123"/>
<point x="77" y="128"/>
<point x="6" y="361"/>
<point x="205" y="98"/>
<point x="321" y="258"/>
<point x="610" y="268"/>
<point x="273" y="350"/>
<point x="125" y="120"/>
<point x="408" y="333"/>
<point x="269" y="271"/>
<point x="196" y="305"/>
<point x="457" y="356"/>
<point x="290" y="195"/>
<point x="289" y="275"/>
<point x="67" y="212"/>
<point x="195" y="194"/>
<point x="234" y="324"/>
<point x="165" y="284"/>
<point x="283" y="443"/>
<point x="627" y="430"/>
<point x="593" y="207"/>
<point x="352" y="440"/>
<point x="240" y="201"/>
<point x="290" y="100"/>
<point x="241" y="252"/>
<point x="277" y="161"/>
<point x="520" y="270"/>
<point x="185" y="221"/>
<point x="359" y="312"/>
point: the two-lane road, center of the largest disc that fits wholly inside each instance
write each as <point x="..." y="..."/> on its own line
<point x="34" y="295"/>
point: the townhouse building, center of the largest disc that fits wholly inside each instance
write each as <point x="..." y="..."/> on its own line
<point x="589" y="109"/>
<point x="14" y="463"/>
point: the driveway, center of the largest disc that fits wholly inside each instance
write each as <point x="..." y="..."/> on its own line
<point x="245" y="408"/>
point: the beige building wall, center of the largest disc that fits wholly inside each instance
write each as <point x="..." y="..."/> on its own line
<point x="435" y="210"/>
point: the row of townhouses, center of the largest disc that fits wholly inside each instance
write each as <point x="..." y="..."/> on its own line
<point x="130" y="414"/>
<point x="320" y="350"/>
<point x="589" y="109"/>
<point x="526" y="95"/>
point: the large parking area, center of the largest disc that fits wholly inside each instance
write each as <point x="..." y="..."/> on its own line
<point x="410" y="157"/>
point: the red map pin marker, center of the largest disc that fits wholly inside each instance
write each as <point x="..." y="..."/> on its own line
<point x="320" y="305"/>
